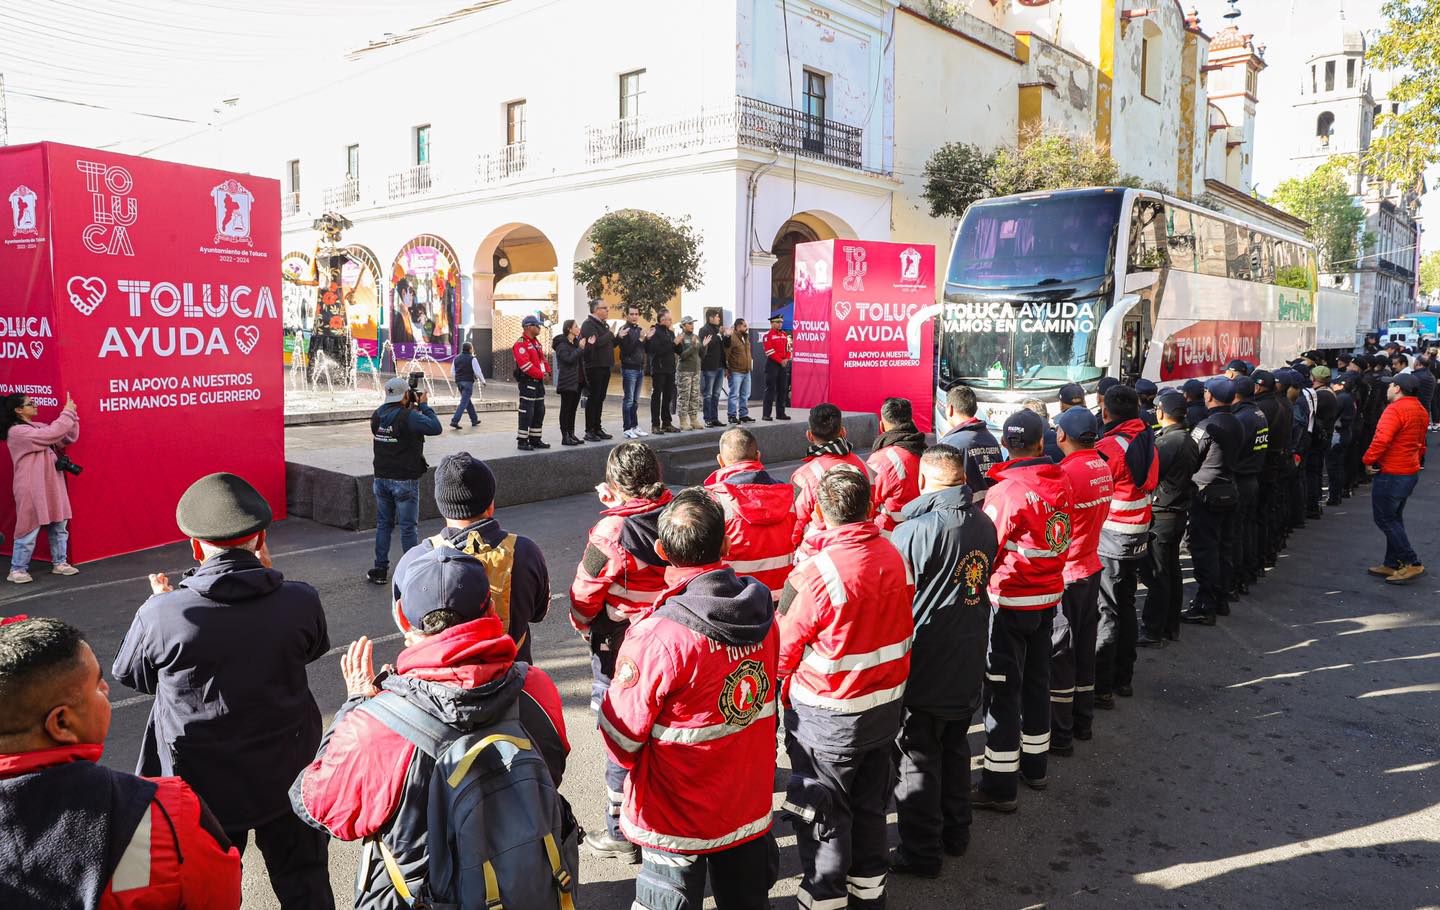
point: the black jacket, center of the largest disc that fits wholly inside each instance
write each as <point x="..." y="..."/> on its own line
<point x="632" y="349"/>
<point x="569" y="372"/>
<point x="1218" y="437"/>
<point x="1194" y="413"/>
<point x="1345" y="419"/>
<point x="660" y="349"/>
<point x="713" y="354"/>
<point x="1277" y="420"/>
<point x="1254" y="439"/>
<point x="949" y="545"/>
<point x="1425" y="381"/>
<point x="1327" y="410"/>
<point x="600" y="353"/>
<point x="224" y="654"/>
<point x="398" y="435"/>
<point x="1179" y="457"/>
<point x="981" y="450"/>
<point x="1300" y="433"/>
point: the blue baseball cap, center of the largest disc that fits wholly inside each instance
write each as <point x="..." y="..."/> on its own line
<point x="1145" y="387"/>
<point x="1244" y="386"/>
<point x="1072" y="393"/>
<point x="1105" y="384"/>
<point x="1080" y="425"/>
<point x="1223" y="390"/>
<point x="529" y="321"/>
<point x="1171" y="403"/>
<point x="444" y="579"/>
<point x="1193" y="388"/>
<point x="1023" y="429"/>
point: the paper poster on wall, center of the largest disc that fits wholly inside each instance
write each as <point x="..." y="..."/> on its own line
<point x="1203" y="348"/>
<point x="424" y="301"/>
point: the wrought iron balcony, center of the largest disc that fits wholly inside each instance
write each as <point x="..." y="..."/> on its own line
<point x="505" y="162"/>
<point x="749" y="122"/>
<point x="343" y="196"/>
<point x="413" y="181"/>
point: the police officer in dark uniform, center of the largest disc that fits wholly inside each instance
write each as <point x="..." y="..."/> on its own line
<point x="1195" y="410"/>
<point x="1218" y="438"/>
<point x="1295" y="385"/>
<point x="1277" y="419"/>
<point x="1105" y="384"/>
<point x="1327" y="410"/>
<point x="1147" y="391"/>
<point x="1254" y="444"/>
<point x="1237" y="368"/>
<point x="1170" y="509"/>
<point x="1342" y="442"/>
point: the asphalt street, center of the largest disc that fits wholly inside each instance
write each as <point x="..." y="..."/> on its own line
<point x="1287" y="758"/>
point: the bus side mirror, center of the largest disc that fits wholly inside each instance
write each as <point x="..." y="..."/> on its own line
<point x="1139" y="281"/>
<point x="916" y="326"/>
<point x="1110" y="328"/>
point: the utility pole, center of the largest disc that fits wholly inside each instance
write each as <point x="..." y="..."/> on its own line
<point x="4" y="120"/>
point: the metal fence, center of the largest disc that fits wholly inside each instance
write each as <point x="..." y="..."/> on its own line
<point x="343" y="196"/>
<point x="413" y="181"/>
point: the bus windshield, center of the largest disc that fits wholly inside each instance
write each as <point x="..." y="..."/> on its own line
<point x="1030" y="345"/>
<point x="1035" y="242"/>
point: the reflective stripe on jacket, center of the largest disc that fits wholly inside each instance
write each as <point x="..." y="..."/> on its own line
<point x="1125" y="533"/>
<point x="1029" y="500"/>
<point x="759" y="519"/>
<point x="896" y="477"/>
<point x="1091" y="488"/>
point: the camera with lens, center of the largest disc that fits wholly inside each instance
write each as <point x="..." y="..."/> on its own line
<point x="63" y="463"/>
<point x="416" y="378"/>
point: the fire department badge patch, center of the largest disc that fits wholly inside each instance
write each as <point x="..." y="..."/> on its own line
<point x="1057" y="532"/>
<point x="746" y="690"/>
<point x="626" y="673"/>
<point x="970" y="577"/>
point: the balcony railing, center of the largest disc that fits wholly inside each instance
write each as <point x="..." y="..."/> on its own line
<point x="343" y="196"/>
<point x="506" y="161"/>
<point x="750" y="122"/>
<point x="289" y="204"/>
<point x="413" y="181"/>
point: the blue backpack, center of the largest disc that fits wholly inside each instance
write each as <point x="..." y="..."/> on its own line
<point x="497" y="826"/>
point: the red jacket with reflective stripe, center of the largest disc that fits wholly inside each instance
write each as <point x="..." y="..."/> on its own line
<point x="530" y="358"/>
<point x="777" y="346"/>
<point x="1128" y="522"/>
<point x="1030" y="504"/>
<point x="845" y="639"/>
<point x="693" y="719"/>
<point x="806" y="481"/>
<point x="897" y="484"/>
<point x="1091" y="487"/>
<point x="612" y="578"/>
<point x="759" y="518"/>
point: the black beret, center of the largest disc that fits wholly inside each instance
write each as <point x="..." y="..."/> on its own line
<point x="222" y="507"/>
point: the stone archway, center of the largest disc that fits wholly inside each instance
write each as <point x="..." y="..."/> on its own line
<point x="803" y="227"/>
<point x="510" y="251"/>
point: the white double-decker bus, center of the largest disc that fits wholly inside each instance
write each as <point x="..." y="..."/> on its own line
<point x="1045" y="289"/>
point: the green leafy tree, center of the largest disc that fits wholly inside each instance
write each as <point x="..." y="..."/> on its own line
<point x="1430" y="272"/>
<point x="959" y="174"/>
<point x="642" y="258"/>
<point x="1336" y="219"/>
<point x="1406" y="143"/>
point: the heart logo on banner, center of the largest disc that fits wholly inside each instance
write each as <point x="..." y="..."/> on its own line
<point x="36" y="349"/>
<point x="86" y="293"/>
<point x="842" y="310"/>
<point x="247" y="336"/>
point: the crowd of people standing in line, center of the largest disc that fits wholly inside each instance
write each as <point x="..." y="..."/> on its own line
<point x="863" y="612"/>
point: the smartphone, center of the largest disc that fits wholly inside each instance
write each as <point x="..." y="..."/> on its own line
<point x="602" y="489"/>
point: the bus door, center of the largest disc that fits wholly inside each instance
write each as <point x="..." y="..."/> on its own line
<point x="1148" y="265"/>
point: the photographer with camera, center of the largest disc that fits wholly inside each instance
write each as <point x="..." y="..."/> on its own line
<point x="36" y="452"/>
<point x="399" y="427"/>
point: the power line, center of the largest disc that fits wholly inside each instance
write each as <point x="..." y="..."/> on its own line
<point x="102" y="107"/>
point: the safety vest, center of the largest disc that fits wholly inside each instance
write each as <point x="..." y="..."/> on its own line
<point x="499" y="562"/>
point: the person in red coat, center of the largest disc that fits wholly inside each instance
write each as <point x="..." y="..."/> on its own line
<point x="759" y="511"/>
<point x="1030" y="503"/>
<point x="693" y="704"/>
<point x="531" y="368"/>
<point x="895" y="463"/>
<point x="828" y="449"/>
<point x="1393" y="460"/>
<point x="778" y="351"/>
<point x="122" y="842"/>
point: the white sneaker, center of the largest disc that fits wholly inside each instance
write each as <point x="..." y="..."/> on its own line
<point x="640" y="432"/>
<point x="19" y="578"/>
<point x="63" y="568"/>
<point x="628" y="434"/>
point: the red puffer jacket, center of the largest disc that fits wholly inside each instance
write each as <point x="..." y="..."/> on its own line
<point x="620" y="574"/>
<point x="1091" y="486"/>
<point x="845" y="634"/>
<point x="1400" y="437"/>
<point x="691" y="714"/>
<point x="1126" y="531"/>
<point x="759" y="518"/>
<point x="806" y="481"/>
<point x="1030" y="503"/>
<point x="896" y="473"/>
<point x="530" y="358"/>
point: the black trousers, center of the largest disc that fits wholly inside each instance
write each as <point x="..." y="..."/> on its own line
<point x="777" y="388"/>
<point x="662" y="398"/>
<point x="297" y="858"/>
<point x="1164" y="579"/>
<point x="1072" y="660"/>
<point x="932" y="793"/>
<point x="1245" y="542"/>
<point x="1208" y="532"/>
<point x="597" y="383"/>
<point x="569" y="404"/>
<point x="852" y="858"/>
<point x="740" y="877"/>
<point x="1115" y="639"/>
<point x="1272" y="531"/>
<point x="532" y="408"/>
<point x="1298" y="493"/>
<point x="1017" y="699"/>
<point x="1314" y="476"/>
<point x="1335" y="466"/>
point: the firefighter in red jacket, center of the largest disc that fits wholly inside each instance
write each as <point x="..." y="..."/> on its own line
<point x="759" y="511"/>
<point x="1129" y="447"/>
<point x="122" y="842"/>
<point x="618" y="580"/>
<point x="693" y="705"/>
<point x="895" y="463"/>
<point x="1072" y="652"/>
<point x="845" y="633"/>
<point x="531" y="368"/>
<point x="828" y="449"/>
<point x="778" y="348"/>
<point x="1030" y="503"/>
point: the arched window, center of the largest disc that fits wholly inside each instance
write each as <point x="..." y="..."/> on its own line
<point x="1150" y="75"/>
<point x="1324" y="127"/>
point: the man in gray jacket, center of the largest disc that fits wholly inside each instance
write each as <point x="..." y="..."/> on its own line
<point x="949" y="547"/>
